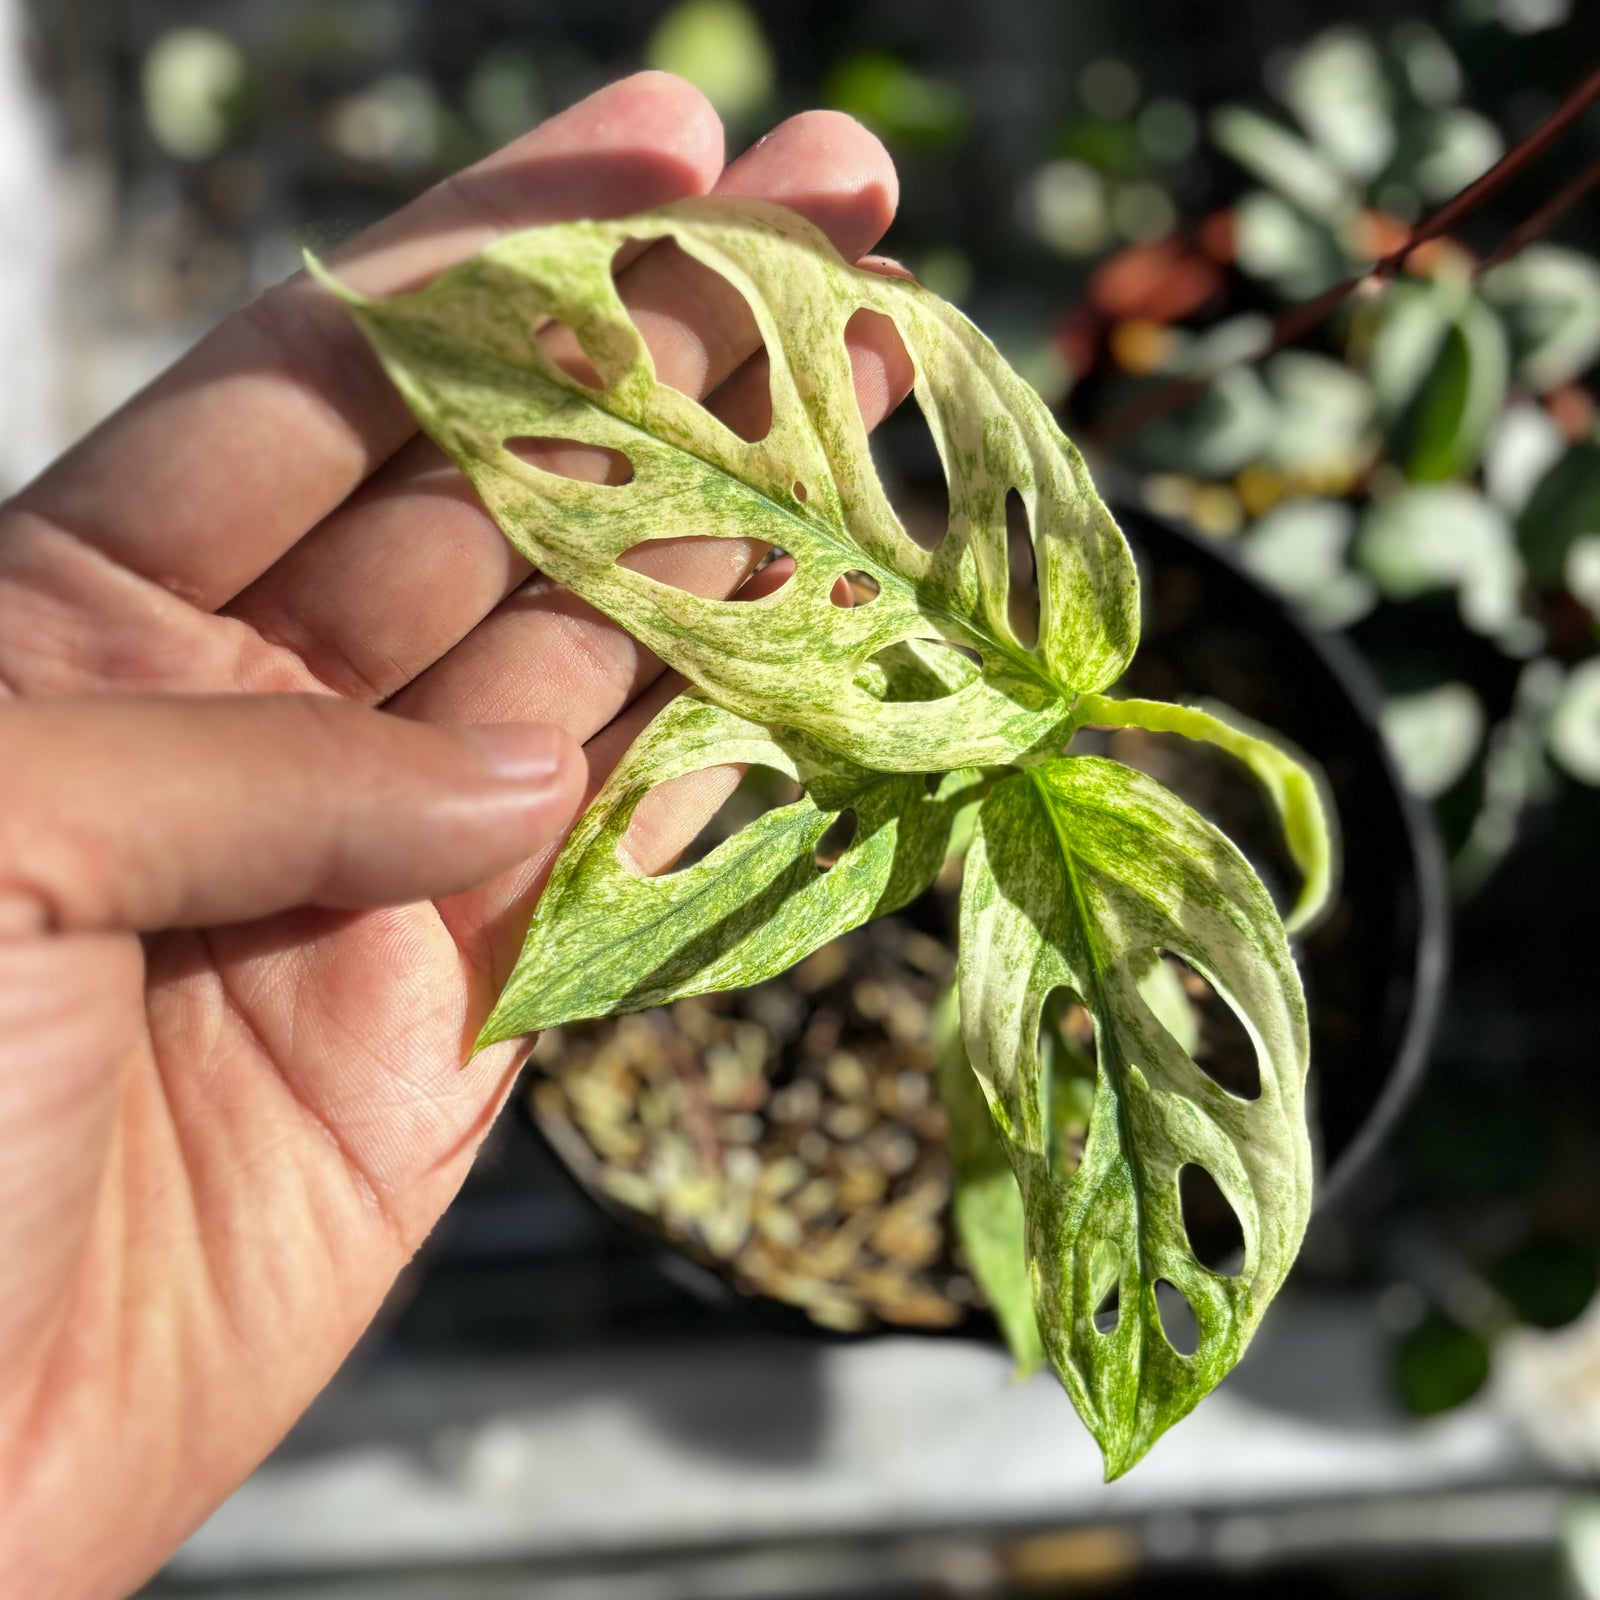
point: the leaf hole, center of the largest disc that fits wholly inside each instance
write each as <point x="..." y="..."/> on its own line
<point x="1109" y="1311"/>
<point x="1069" y="1068"/>
<point x="562" y="347"/>
<point x="1104" y="1285"/>
<point x="1178" y="1321"/>
<point x="699" y="564"/>
<point x="916" y="671"/>
<point x="680" y="822"/>
<point x="836" y="839"/>
<point x="740" y="397"/>
<point x="1215" y="1233"/>
<point x="903" y="446"/>
<point x="855" y="589"/>
<point x="1022" y="592"/>
<point x="1223" y="1048"/>
<point x="571" y="458"/>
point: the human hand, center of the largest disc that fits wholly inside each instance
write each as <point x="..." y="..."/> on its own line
<point x="231" y="1096"/>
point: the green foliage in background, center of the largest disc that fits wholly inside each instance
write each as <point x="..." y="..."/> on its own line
<point x="1429" y="453"/>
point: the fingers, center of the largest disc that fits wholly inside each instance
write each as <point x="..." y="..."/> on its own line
<point x="487" y="922"/>
<point x="208" y="476"/>
<point x="346" y="598"/>
<point x="144" y="814"/>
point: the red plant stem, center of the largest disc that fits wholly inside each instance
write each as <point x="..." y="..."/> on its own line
<point x="1292" y="325"/>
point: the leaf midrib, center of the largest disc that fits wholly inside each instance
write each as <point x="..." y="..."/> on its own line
<point x="1114" y="1065"/>
<point x="1025" y="659"/>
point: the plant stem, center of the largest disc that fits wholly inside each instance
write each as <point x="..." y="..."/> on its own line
<point x="1293" y="324"/>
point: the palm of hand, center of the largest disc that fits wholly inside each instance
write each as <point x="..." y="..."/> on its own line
<point x="230" y="1151"/>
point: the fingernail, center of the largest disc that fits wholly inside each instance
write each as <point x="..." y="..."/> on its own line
<point x="519" y="752"/>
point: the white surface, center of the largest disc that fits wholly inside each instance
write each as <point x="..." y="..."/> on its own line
<point x="680" y="1446"/>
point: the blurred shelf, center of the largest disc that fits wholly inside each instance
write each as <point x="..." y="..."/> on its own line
<point x="666" y="1454"/>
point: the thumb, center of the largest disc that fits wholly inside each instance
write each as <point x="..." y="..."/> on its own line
<point x="158" y="813"/>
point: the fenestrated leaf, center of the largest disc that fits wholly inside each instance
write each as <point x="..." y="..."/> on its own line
<point x="464" y="354"/>
<point x="1079" y="869"/>
<point x="606" y="939"/>
<point x="1298" y="792"/>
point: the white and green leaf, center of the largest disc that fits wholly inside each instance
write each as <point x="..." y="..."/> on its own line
<point x="464" y="353"/>
<point x="606" y="938"/>
<point x="1080" y="869"/>
<point x="1298" y="791"/>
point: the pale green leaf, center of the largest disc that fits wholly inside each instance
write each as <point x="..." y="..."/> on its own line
<point x="1522" y="447"/>
<point x="1325" y="416"/>
<point x="1430" y="536"/>
<point x="1337" y="87"/>
<point x="1227" y="426"/>
<point x="1283" y="161"/>
<point x="605" y="938"/>
<point x="1446" y="151"/>
<point x="1298" y="791"/>
<point x="718" y="46"/>
<point x="1575" y="724"/>
<point x="1301" y="548"/>
<point x="1413" y="321"/>
<point x="1276" y="241"/>
<point x="1079" y="870"/>
<point x="1550" y="299"/>
<point x="463" y="353"/>
<point x="1434" y="736"/>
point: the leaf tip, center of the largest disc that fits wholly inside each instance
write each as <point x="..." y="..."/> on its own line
<point x="492" y="1032"/>
<point x="1122" y="1455"/>
<point x="318" y="270"/>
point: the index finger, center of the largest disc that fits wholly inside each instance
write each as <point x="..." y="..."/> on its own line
<point x="203" y="480"/>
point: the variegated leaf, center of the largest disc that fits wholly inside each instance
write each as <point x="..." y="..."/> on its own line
<point x="1081" y="868"/>
<point x="1297" y="789"/>
<point x="985" y="1204"/>
<point x="463" y="352"/>
<point x="605" y="938"/>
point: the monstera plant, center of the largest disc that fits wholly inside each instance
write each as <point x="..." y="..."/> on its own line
<point x="925" y="713"/>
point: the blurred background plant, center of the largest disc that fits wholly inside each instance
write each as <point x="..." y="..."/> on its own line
<point x="1425" y="473"/>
